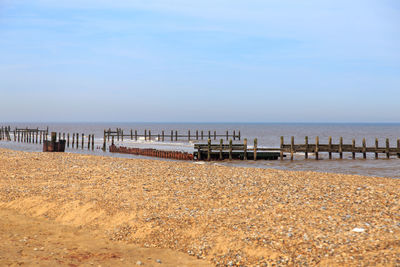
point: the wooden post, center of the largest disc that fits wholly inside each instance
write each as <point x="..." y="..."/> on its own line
<point x="73" y="140"/>
<point x="15" y="136"/>
<point x="149" y="135"/>
<point x="202" y="135"/>
<point x="215" y="135"/>
<point x="199" y="153"/>
<point x="209" y="149"/>
<point x="131" y="134"/>
<point x="234" y="135"/>
<point x="341" y="148"/>
<point x="67" y="139"/>
<point x="59" y="136"/>
<point x="230" y="149"/>
<point x="63" y="136"/>
<point x="109" y="134"/>
<point x="176" y="135"/>
<point x="189" y="135"/>
<point x="282" y="142"/>
<point x="227" y="135"/>
<point x="398" y="148"/>
<point x="376" y="147"/>
<point x="306" y="145"/>
<point x="387" y="148"/>
<point x="162" y="133"/>
<point x="353" y="148"/>
<point x="221" y="143"/>
<point x="209" y="135"/>
<point x="88" y="142"/>
<point x="316" y="147"/>
<point x="145" y="135"/>
<point x="255" y="148"/>
<point x="112" y="140"/>
<point x="83" y="141"/>
<point x="245" y="149"/>
<point x="172" y="135"/>
<point x="364" y="148"/>
<point x="239" y="136"/>
<point x="135" y="135"/>
<point x="19" y="137"/>
<point x="291" y="148"/>
<point x="77" y="140"/>
<point x="92" y="141"/>
<point x="117" y="134"/>
<point x="330" y="147"/>
<point x="197" y="134"/>
<point x="122" y="135"/>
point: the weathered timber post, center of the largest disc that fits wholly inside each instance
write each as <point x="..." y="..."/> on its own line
<point x="59" y="136"/>
<point x="209" y="135"/>
<point x="227" y="135"/>
<point x="68" y="140"/>
<point x="202" y="135"/>
<point x="209" y="149"/>
<point x="92" y="141"/>
<point x="282" y="141"/>
<point x="122" y="135"/>
<point x="255" y="148"/>
<point x="234" y="135"/>
<point x="117" y="134"/>
<point x="330" y="147"/>
<point x="341" y="148"/>
<point x="199" y="153"/>
<point x="230" y="149"/>
<point x="291" y="148"/>
<point x="316" y="147"/>
<point x="88" y="142"/>
<point x="83" y="141"/>
<point x="376" y="148"/>
<point x="15" y="136"/>
<point x="145" y="135"/>
<point x="63" y="136"/>
<point x="73" y="140"/>
<point x="215" y="135"/>
<point x="131" y="134"/>
<point x="162" y="134"/>
<point x="245" y="149"/>
<point x="387" y="148"/>
<point x="135" y="135"/>
<point x="306" y="147"/>
<point x="398" y="148"/>
<point x="197" y="134"/>
<point x="77" y="140"/>
<point x="19" y="137"/>
<point x="149" y="135"/>
<point x="364" y="148"/>
<point x="189" y="135"/>
<point x="172" y="135"/>
<point x="108" y="134"/>
<point x="239" y="136"/>
<point x="353" y="148"/>
<point x="40" y="137"/>
<point x="176" y="135"/>
<point x="221" y="143"/>
<point x="112" y="140"/>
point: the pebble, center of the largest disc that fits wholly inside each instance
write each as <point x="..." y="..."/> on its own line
<point x="358" y="230"/>
<point x="139" y="263"/>
<point x="158" y="260"/>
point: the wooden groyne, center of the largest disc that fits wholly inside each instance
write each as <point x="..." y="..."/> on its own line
<point x="173" y="136"/>
<point x="39" y="136"/>
<point x="339" y="148"/>
<point x="152" y="152"/>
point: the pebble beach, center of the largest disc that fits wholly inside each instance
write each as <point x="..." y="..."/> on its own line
<point x="224" y="216"/>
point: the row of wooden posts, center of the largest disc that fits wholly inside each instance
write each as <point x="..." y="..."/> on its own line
<point x="340" y="148"/>
<point x="241" y="150"/>
<point x="38" y="136"/>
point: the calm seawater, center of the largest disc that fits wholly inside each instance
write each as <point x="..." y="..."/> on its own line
<point x="268" y="135"/>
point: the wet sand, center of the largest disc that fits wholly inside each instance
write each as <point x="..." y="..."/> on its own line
<point x="224" y="215"/>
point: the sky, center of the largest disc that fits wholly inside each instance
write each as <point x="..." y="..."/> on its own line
<point x="200" y="61"/>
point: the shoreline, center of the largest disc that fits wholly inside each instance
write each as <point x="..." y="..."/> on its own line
<point x="218" y="213"/>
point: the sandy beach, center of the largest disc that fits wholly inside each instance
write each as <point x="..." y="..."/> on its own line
<point x="190" y="213"/>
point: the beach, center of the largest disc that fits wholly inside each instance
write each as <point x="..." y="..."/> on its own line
<point x="200" y="213"/>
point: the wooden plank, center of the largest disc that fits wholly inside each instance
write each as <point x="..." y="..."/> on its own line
<point x="245" y="149"/>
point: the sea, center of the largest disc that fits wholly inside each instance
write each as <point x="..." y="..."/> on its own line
<point x="267" y="134"/>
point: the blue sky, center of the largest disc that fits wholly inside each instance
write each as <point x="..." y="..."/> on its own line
<point x="202" y="61"/>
